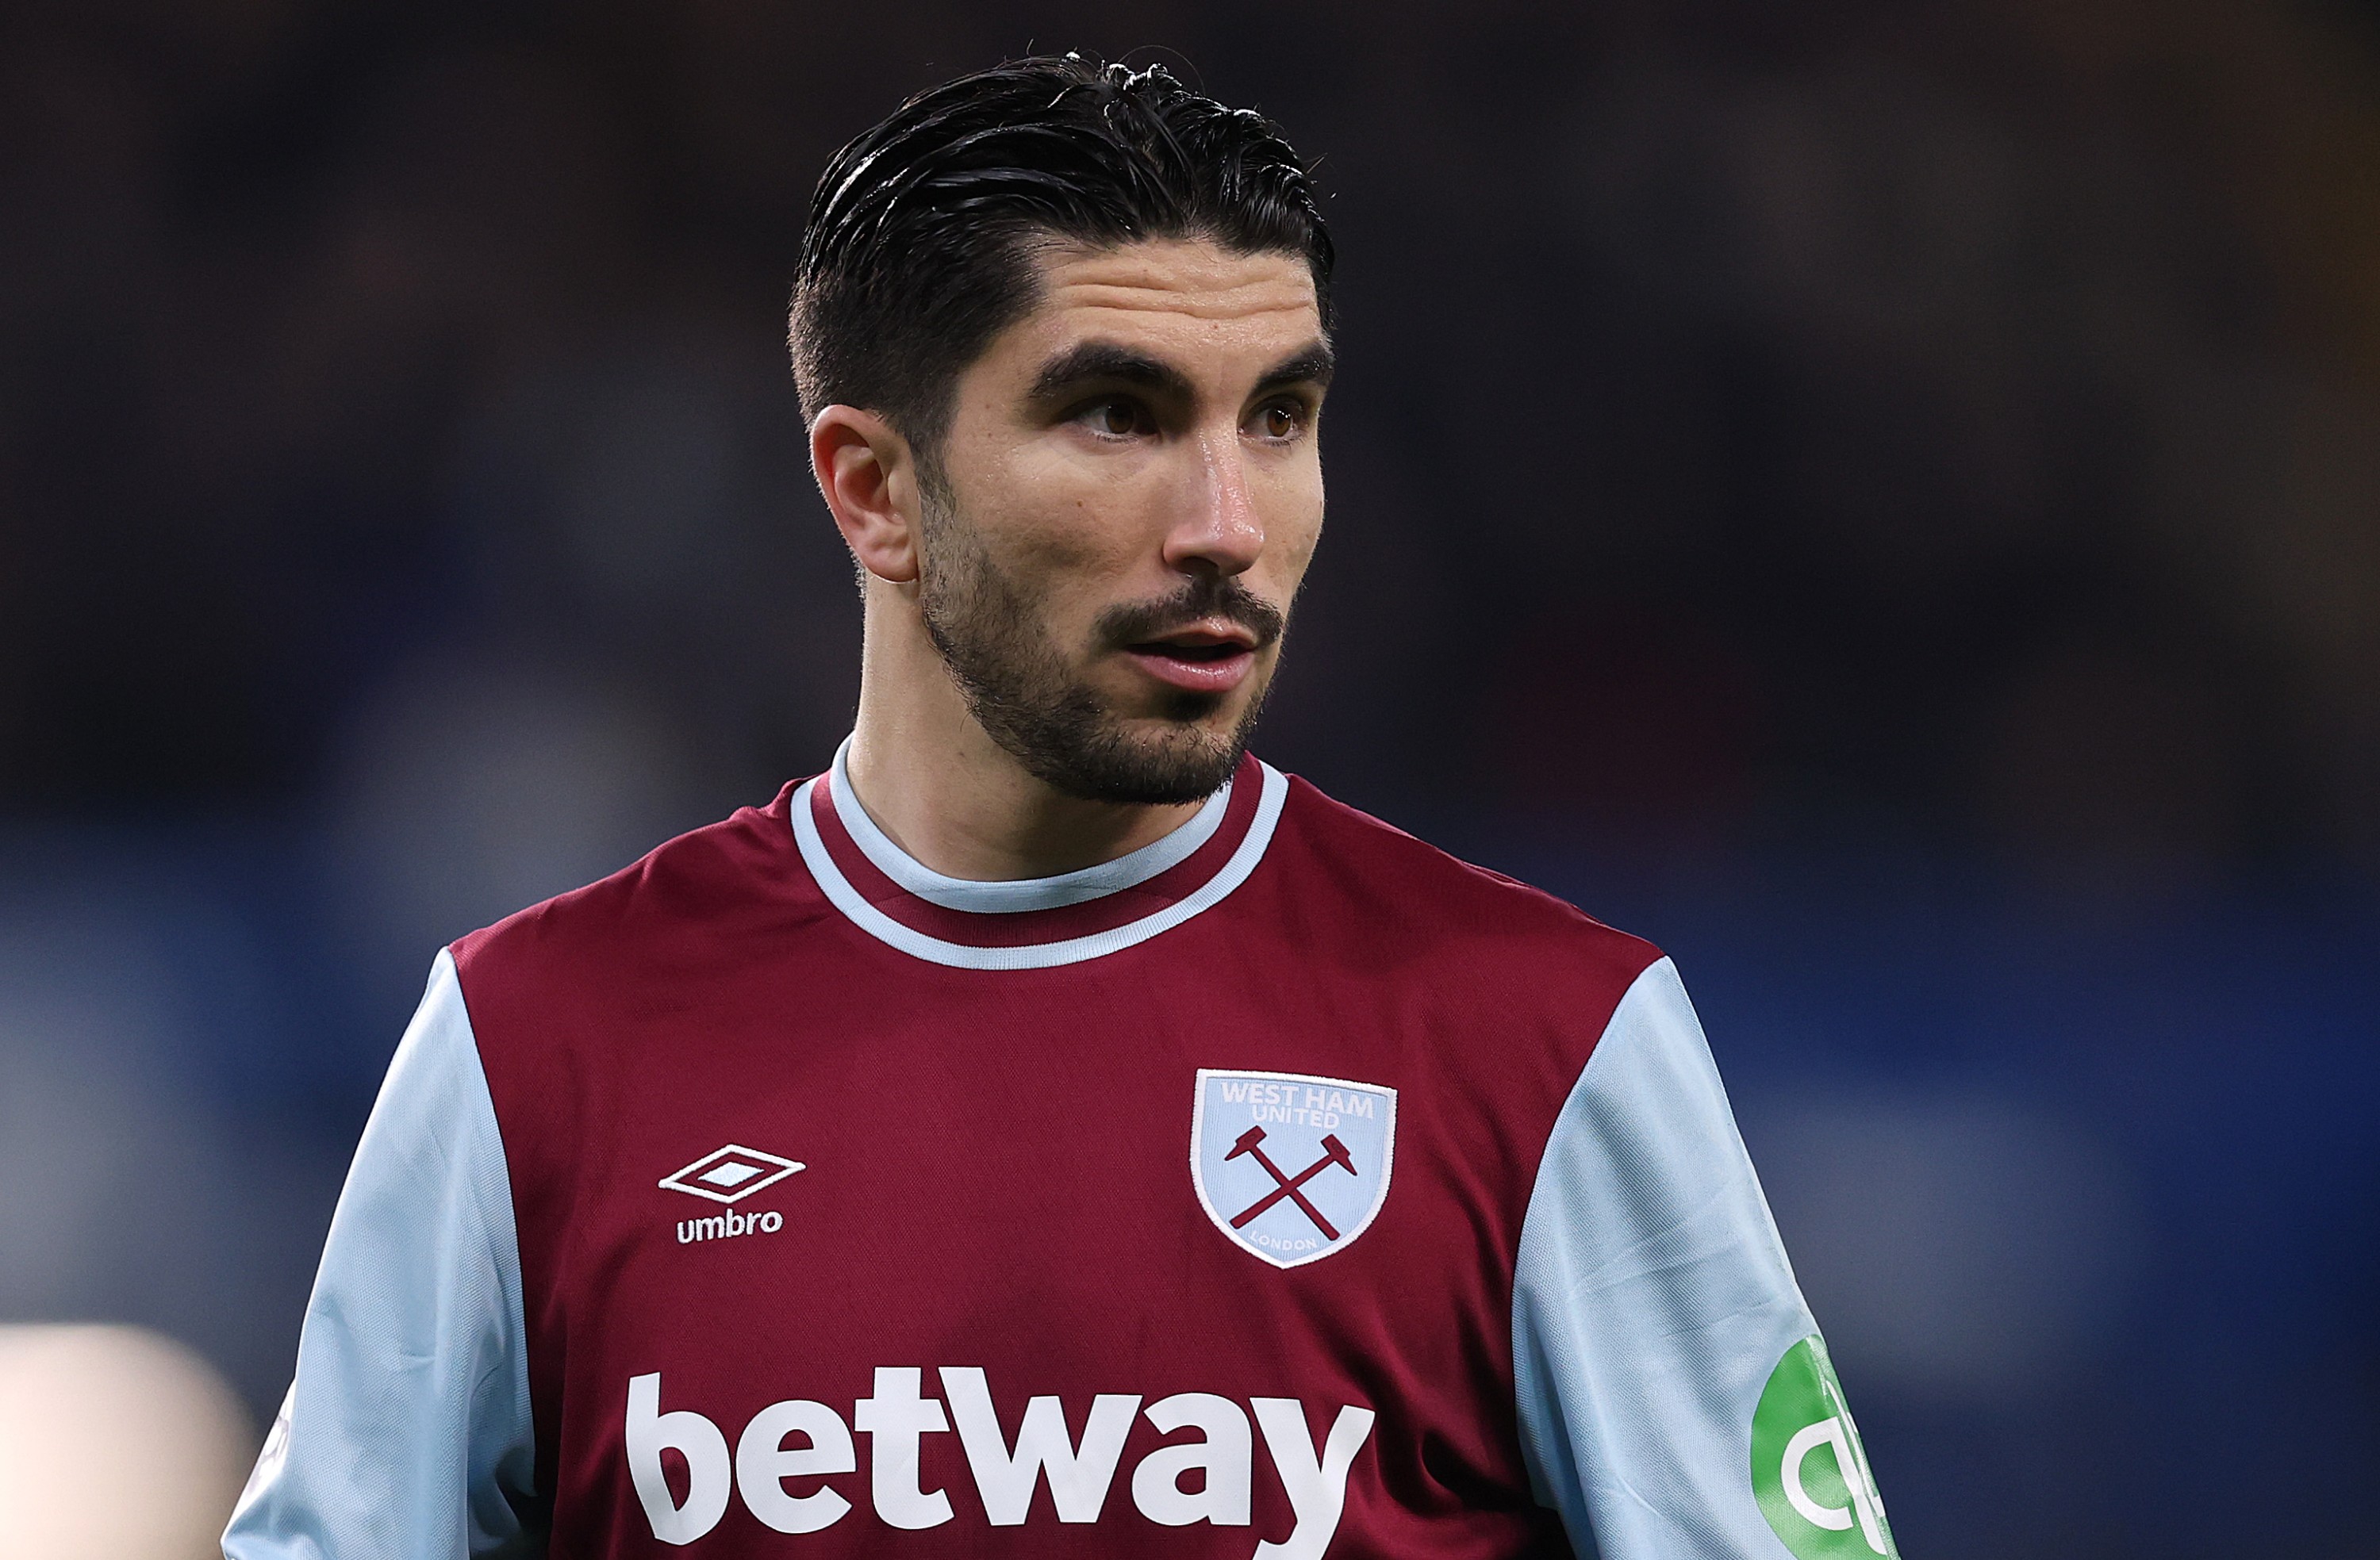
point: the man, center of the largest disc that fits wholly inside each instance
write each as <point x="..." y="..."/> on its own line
<point x="1052" y="1131"/>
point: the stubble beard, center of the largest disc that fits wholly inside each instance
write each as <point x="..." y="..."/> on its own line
<point x="988" y="626"/>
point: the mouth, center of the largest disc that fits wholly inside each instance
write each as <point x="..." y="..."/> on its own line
<point x="1212" y="657"/>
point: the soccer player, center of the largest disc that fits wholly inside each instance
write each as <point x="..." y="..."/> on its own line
<point x="1052" y="1130"/>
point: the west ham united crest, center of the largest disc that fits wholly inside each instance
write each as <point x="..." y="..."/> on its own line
<point x="1292" y="1168"/>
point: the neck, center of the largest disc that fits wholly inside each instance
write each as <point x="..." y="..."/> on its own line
<point x="955" y="801"/>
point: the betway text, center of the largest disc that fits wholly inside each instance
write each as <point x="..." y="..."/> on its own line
<point x="785" y="1463"/>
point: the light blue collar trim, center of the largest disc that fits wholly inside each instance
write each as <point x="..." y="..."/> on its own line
<point x="1271" y="798"/>
<point x="1015" y="895"/>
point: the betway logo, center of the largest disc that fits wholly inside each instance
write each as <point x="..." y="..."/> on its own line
<point x="765" y="1471"/>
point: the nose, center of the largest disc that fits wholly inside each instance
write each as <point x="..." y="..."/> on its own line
<point x="1219" y="529"/>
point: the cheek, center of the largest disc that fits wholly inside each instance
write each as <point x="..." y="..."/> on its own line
<point x="1066" y="565"/>
<point x="1080" y="533"/>
<point x="1030" y="518"/>
<point x="1294" y="521"/>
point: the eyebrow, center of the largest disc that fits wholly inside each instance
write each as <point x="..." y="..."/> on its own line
<point x="1312" y="364"/>
<point x="1096" y="362"/>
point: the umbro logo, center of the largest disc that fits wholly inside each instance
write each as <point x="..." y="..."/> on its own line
<point x="731" y="1174"/>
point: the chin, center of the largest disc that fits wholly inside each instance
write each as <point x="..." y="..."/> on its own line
<point x="1160" y="749"/>
<point x="1210" y="714"/>
<point x="1184" y="743"/>
<point x="1143" y="763"/>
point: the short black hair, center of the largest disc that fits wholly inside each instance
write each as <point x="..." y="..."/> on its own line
<point x="920" y="245"/>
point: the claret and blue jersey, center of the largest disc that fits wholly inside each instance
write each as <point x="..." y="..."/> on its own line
<point x="1285" y="1189"/>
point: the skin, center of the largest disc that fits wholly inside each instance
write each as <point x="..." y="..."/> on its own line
<point x="1102" y="491"/>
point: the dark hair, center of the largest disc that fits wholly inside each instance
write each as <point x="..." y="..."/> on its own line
<point x="920" y="239"/>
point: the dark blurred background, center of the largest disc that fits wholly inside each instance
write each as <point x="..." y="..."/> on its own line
<point x="1882" y="499"/>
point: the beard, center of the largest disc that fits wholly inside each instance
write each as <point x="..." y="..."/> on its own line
<point x="988" y="625"/>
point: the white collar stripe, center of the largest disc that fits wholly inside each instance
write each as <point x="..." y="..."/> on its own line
<point x="914" y="877"/>
<point x="1046" y="955"/>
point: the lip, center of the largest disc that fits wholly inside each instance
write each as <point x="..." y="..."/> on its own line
<point x="1205" y="658"/>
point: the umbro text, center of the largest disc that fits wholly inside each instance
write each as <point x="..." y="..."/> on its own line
<point x="719" y="1227"/>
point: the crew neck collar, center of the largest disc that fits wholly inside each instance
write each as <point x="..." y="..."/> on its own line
<point x="1040" y="922"/>
<point x="1012" y="895"/>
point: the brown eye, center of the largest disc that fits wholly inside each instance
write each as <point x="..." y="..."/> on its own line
<point x="1117" y="418"/>
<point x="1280" y="422"/>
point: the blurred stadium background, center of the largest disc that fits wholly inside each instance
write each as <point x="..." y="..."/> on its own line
<point x="1882" y="499"/>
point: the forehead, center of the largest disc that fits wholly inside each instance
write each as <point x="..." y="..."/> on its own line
<point x="1188" y="289"/>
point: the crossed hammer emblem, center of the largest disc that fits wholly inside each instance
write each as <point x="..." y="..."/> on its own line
<point x="1334" y="1153"/>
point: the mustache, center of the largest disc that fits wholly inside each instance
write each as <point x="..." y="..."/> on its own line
<point x="1209" y="596"/>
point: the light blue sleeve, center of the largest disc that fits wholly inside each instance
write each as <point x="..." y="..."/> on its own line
<point x="1651" y="1300"/>
<point x="406" y="1434"/>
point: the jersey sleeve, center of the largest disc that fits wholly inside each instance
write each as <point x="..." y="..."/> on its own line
<point x="406" y="1432"/>
<point x="1653" y="1304"/>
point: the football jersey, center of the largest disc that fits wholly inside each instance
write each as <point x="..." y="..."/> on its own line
<point x="1284" y="1188"/>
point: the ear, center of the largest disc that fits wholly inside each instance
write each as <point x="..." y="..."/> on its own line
<point x="868" y="476"/>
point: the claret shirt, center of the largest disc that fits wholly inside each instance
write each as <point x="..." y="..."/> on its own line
<point x="1284" y="1190"/>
